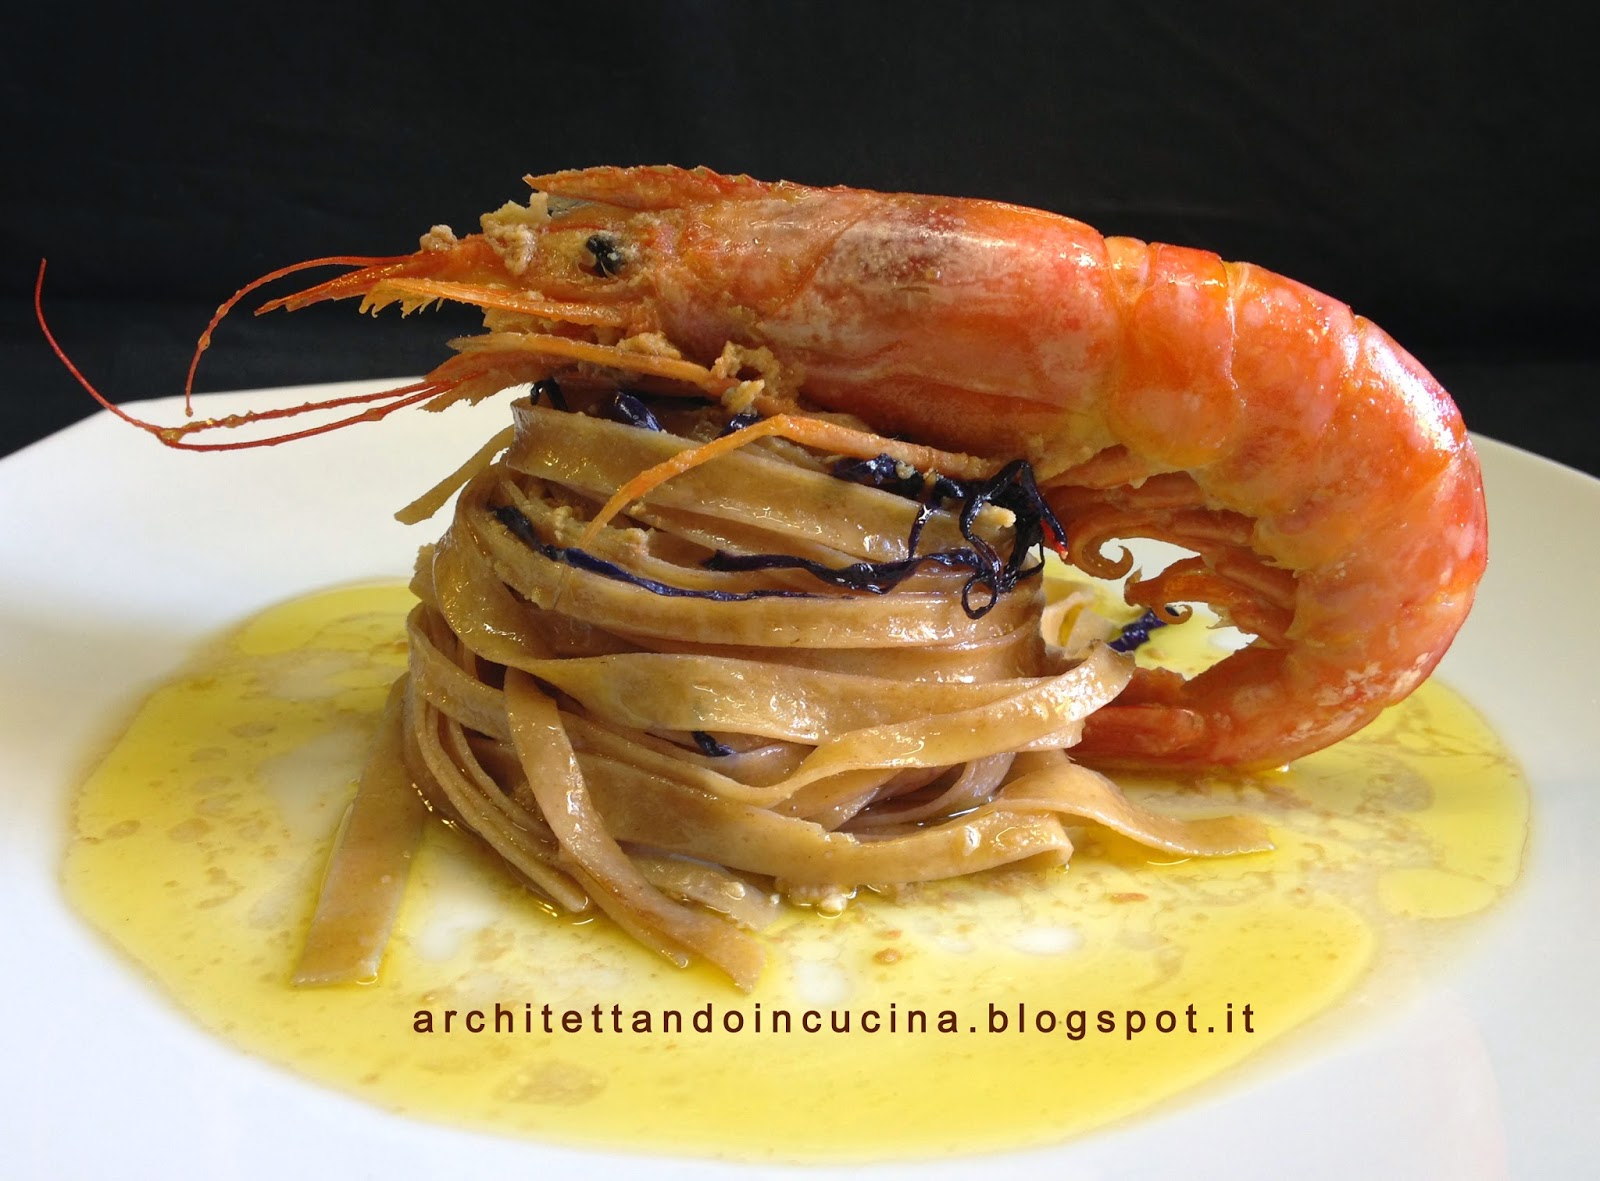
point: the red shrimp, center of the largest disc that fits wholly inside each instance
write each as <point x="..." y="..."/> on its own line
<point x="1319" y="475"/>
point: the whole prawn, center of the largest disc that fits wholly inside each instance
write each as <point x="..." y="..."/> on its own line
<point x="1320" y="476"/>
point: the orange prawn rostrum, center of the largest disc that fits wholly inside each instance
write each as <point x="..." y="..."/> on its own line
<point x="1320" y="477"/>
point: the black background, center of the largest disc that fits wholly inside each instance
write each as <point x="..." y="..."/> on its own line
<point x="1434" y="166"/>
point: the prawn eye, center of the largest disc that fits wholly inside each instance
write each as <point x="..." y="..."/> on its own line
<point x="608" y="258"/>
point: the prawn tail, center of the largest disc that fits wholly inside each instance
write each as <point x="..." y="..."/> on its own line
<point x="1147" y="722"/>
<point x="1256" y="709"/>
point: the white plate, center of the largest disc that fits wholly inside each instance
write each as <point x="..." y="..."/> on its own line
<point x="116" y="555"/>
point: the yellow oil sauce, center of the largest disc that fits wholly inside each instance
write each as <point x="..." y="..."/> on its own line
<point x="1042" y="1003"/>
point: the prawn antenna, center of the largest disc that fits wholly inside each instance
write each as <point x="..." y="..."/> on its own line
<point x="178" y="436"/>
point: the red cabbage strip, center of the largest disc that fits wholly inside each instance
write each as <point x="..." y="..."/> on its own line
<point x="579" y="559"/>
<point x="1137" y="632"/>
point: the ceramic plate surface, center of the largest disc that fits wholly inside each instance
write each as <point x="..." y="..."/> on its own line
<point x="117" y="556"/>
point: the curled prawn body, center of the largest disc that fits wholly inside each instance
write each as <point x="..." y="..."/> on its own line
<point x="1321" y="478"/>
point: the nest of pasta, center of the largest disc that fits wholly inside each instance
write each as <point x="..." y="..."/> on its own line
<point x="779" y="676"/>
